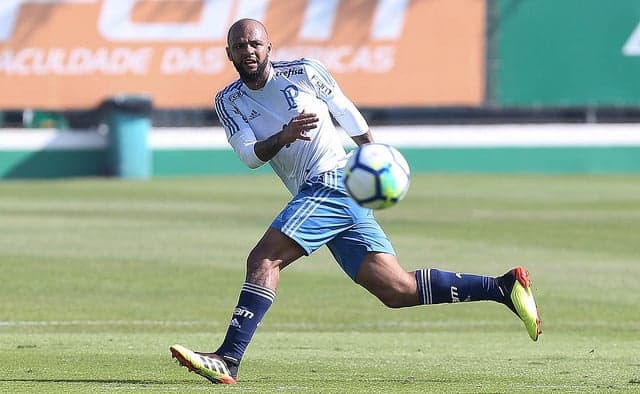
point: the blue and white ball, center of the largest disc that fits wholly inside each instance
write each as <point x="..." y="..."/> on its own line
<point x="377" y="176"/>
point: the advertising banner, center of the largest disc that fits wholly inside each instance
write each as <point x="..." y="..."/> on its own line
<point x="71" y="54"/>
<point x="568" y="53"/>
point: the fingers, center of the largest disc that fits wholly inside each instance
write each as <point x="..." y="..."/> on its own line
<point x="298" y="127"/>
<point x="305" y="118"/>
<point x="302" y="123"/>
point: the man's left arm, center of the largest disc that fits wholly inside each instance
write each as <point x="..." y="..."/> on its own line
<point x="362" y="139"/>
<point x="342" y="109"/>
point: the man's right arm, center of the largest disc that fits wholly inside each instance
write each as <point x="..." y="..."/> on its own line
<point x="239" y="134"/>
<point x="255" y="153"/>
<point x="296" y="129"/>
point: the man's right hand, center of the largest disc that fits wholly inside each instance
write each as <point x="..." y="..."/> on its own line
<point x="297" y="128"/>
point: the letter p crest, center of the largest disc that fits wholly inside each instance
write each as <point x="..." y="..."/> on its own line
<point x="290" y="93"/>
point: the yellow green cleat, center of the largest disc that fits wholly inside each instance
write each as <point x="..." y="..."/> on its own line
<point x="516" y="287"/>
<point x="208" y="365"/>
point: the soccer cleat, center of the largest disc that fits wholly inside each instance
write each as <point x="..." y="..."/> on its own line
<point x="210" y="366"/>
<point x="516" y="287"/>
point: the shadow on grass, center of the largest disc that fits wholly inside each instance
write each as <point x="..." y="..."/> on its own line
<point x="105" y="381"/>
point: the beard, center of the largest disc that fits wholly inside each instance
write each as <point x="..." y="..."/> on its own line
<point x="251" y="76"/>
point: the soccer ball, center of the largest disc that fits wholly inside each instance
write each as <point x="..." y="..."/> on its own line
<point x="377" y="176"/>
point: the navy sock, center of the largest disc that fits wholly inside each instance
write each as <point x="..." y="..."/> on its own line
<point x="253" y="303"/>
<point x="437" y="287"/>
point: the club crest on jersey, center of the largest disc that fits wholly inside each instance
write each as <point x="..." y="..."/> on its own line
<point x="290" y="93"/>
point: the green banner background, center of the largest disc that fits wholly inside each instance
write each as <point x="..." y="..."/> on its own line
<point x="565" y="53"/>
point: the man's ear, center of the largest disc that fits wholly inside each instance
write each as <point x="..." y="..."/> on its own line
<point x="228" y="53"/>
<point x="269" y="48"/>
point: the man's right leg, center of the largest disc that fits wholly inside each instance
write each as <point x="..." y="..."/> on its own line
<point x="272" y="253"/>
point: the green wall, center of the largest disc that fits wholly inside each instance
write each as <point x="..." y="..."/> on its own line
<point x="75" y="163"/>
<point x="594" y="160"/>
<point x="565" y="53"/>
<point x="198" y="162"/>
<point x="20" y="164"/>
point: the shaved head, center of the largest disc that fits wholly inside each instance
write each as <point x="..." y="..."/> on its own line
<point x="246" y="24"/>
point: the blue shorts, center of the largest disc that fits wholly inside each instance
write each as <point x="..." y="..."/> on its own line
<point x="323" y="213"/>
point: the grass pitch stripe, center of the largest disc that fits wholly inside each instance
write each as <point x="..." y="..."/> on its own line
<point x="329" y="327"/>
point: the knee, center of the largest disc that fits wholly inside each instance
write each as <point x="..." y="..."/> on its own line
<point x="397" y="296"/>
<point x="259" y="271"/>
<point x="256" y="263"/>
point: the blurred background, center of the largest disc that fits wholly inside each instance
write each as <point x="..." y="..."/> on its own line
<point x="126" y="87"/>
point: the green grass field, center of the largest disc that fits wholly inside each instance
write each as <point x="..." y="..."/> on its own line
<point x="100" y="277"/>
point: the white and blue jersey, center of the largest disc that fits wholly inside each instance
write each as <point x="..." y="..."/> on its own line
<point x="292" y="87"/>
<point x="321" y="212"/>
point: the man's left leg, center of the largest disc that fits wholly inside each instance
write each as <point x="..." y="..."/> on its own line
<point x="382" y="275"/>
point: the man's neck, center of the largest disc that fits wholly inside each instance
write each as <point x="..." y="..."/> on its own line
<point x="260" y="82"/>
